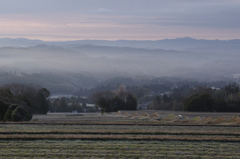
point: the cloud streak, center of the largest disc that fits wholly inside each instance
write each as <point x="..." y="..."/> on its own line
<point x="126" y="19"/>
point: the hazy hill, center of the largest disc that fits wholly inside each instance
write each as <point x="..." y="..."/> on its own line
<point x="167" y="44"/>
<point x="84" y="63"/>
<point x="19" y="42"/>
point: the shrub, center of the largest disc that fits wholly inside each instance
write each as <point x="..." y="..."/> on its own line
<point x="202" y="102"/>
<point x="21" y="114"/>
<point x="16" y="112"/>
<point x="8" y="114"/>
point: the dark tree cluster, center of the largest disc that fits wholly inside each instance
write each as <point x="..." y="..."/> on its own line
<point x="112" y="101"/>
<point x="19" y="101"/>
<point x="209" y="100"/>
<point x="199" y="102"/>
<point x="199" y="98"/>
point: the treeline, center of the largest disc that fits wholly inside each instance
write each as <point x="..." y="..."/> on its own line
<point x="19" y="101"/>
<point x="226" y="99"/>
<point x="202" y="98"/>
<point x="174" y="94"/>
<point x="112" y="101"/>
<point x="145" y="90"/>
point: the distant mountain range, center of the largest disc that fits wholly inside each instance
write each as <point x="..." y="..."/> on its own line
<point x="168" y="44"/>
<point x="182" y="57"/>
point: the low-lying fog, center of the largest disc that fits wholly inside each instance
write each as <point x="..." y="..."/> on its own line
<point x="199" y="60"/>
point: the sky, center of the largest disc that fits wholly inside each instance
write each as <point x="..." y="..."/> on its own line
<point x="63" y="20"/>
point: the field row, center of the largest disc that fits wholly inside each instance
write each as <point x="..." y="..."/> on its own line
<point x="222" y="138"/>
<point x="43" y="128"/>
<point x="117" y="149"/>
<point x="140" y="118"/>
<point x="236" y="134"/>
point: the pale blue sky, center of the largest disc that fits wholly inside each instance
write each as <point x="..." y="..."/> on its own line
<point x="60" y="20"/>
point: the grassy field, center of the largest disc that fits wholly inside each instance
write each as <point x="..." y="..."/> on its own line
<point x="140" y="134"/>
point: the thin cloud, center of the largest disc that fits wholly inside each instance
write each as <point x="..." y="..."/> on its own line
<point x="126" y="19"/>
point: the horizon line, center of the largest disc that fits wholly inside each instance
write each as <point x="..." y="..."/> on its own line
<point x="118" y="39"/>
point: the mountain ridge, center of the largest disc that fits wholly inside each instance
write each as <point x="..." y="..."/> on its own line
<point x="183" y="57"/>
<point x="178" y="43"/>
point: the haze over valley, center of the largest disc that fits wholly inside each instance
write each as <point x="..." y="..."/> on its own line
<point x="183" y="57"/>
<point x="72" y="65"/>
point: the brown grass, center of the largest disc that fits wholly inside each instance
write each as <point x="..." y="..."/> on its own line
<point x="219" y="120"/>
<point x="134" y="114"/>
<point x="235" y="119"/>
<point x="120" y="137"/>
<point x="206" y="120"/>
<point x="154" y="115"/>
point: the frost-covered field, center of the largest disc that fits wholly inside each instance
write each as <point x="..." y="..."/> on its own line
<point x="137" y="134"/>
